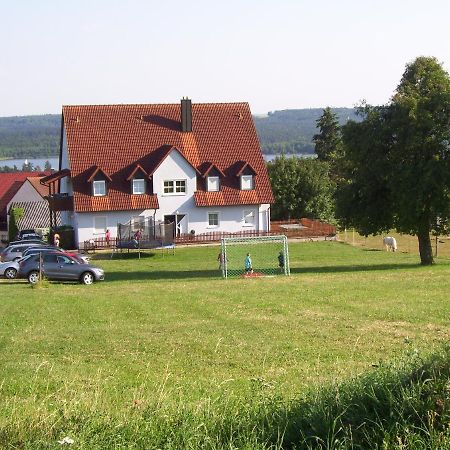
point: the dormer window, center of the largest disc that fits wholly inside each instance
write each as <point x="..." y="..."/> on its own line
<point x="138" y="186"/>
<point x="213" y="184"/>
<point x="99" y="188"/>
<point x="212" y="176"/>
<point x="138" y="180"/>
<point x="246" y="174"/>
<point x="98" y="179"/>
<point x="247" y="182"/>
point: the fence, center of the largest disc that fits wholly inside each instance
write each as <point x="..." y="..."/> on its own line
<point x="405" y="242"/>
<point x="292" y="229"/>
<point x="299" y="228"/>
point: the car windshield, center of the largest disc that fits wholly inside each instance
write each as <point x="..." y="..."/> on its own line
<point x="24" y="258"/>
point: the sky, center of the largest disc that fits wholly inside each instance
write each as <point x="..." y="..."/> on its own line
<point x="274" y="54"/>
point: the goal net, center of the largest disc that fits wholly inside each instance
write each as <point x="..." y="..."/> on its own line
<point x="254" y="256"/>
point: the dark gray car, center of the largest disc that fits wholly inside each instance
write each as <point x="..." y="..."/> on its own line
<point x="56" y="266"/>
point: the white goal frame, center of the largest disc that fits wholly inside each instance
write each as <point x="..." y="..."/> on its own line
<point x="265" y="263"/>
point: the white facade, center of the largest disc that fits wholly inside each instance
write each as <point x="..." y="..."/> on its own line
<point x="231" y="219"/>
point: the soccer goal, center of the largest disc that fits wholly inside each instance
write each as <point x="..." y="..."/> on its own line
<point x="254" y="256"/>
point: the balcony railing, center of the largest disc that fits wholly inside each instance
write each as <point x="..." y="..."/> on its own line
<point x="60" y="202"/>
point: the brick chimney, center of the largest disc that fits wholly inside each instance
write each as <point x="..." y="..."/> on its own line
<point x="186" y="115"/>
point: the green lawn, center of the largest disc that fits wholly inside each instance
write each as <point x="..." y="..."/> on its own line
<point x="166" y="333"/>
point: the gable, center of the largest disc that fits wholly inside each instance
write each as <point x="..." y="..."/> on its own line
<point x="175" y="165"/>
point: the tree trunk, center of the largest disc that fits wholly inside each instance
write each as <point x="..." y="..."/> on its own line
<point x="425" y="250"/>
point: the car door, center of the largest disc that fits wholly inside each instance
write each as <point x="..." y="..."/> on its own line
<point x="68" y="268"/>
<point x="50" y="266"/>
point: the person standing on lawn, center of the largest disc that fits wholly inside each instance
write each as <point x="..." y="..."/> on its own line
<point x="248" y="264"/>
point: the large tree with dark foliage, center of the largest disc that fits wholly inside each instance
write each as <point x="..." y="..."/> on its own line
<point x="328" y="142"/>
<point x="302" y="188"/>
<point x="398" y="173"/>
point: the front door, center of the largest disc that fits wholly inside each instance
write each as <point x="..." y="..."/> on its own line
<point x="180" y="223"/>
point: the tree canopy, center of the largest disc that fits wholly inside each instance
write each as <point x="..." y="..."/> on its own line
<point x="302" y="188"/>
<point x="398" y="159"/>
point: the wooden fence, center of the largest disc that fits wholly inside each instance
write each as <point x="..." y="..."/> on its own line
<point x="299" y="228"/>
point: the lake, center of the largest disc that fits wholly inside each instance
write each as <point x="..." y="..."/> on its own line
<point x="34" y="161"/>
<point x="270" y="157"/>
<point x="55" y="161"/>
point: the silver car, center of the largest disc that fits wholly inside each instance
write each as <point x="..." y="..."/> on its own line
<point x="9" y="269"/>
<point x="58" y="266"/>
<point x="14" y="252"/>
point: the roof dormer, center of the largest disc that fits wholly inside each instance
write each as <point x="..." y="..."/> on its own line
<point x="99" y="179"/>
<point x="246" y="174"/>
<point x="213" y="176"/>
<point x="138" y="179"/>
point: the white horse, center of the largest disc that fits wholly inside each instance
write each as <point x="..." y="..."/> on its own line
<point x="390" y="243"/>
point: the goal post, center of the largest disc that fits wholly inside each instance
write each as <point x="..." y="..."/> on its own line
<point x="254" y="256"/>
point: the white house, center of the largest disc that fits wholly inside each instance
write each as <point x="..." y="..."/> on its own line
<point x="199" y="166"/>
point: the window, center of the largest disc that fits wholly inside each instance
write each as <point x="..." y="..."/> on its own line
<point x="213" y="184"/>
<point x="138" y="186"/>
<point x="50" y="259"/>
<point x="175" y="187"/>
<point x="246" y="182"/>
<point x="99" y="187"/>
<point x="64" y="260"/>
<point x="249" y="218"/>
<point x="99" y="225"/>
<point x="213" y="219"/>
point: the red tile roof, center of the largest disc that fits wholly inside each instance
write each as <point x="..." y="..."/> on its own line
<point x="9" y="185"/>
<point x="41" y="189"/>
<point x="118" y="137"/>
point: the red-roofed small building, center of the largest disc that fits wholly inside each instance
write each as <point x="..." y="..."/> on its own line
<point x="10" y="185"/>
<point x="198" y="165"/>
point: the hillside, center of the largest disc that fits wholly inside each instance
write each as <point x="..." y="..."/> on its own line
<point x="288" y="131"/>
<point x="292" y="130"/>
<point x="29" y="136"/>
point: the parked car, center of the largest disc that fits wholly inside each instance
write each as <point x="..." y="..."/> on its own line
<point x="14" y="252"/>
<point x="9" y="269"/>
<point x="28" y="234"/>
<point x="51" y="248"/>
<point x="29" y="241"/>
<point x="58" y="266"/>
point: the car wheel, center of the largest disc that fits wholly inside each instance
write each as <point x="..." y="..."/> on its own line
<point x="87" y="278"/>
<point x="33" y="277"/>
<point x="10" y="273"/>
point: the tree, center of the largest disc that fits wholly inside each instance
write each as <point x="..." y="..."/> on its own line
<point x="302" y="188"/>
<point x="14" y="217"/>
<point x="328" y="142"/>
<point x="398" y="172"/>
<point x="284" y="178"/>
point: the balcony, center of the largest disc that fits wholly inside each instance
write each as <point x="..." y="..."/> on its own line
<point x="60" y="202"/>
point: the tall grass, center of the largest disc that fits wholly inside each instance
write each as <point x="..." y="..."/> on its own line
<point x="397" y="406"/>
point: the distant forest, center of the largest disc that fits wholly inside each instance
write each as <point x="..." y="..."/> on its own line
<point x="288" y="131"/>
<point x="30" y="136"/>
<point x="291" y="131"/>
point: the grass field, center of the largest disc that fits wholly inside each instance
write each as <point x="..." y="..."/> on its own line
<point x="406" y="243"/>
<point x="166" y="344"/>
